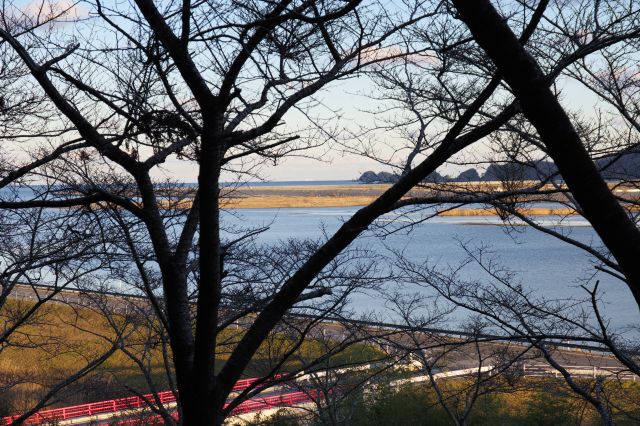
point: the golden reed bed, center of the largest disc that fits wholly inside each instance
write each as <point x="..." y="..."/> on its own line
<point x="362" y="194"/>
<point x="282" y="197"/>
<point x="310" y="202"/>
<point x="284" y="202"/>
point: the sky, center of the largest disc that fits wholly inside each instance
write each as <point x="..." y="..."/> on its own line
<point x="336" y="166"/>
<point x="347" y="97"/>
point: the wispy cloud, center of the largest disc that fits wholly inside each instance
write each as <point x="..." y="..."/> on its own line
<point x="35" y="13"/>
<point x="395" y="54"/>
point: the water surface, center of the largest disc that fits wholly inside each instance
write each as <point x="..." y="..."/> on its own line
<point x="545" y="264"/>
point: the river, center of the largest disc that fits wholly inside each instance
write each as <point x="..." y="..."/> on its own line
<point x="548" y="266"/>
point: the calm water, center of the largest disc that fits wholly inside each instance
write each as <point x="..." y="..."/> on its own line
<point x="543" y="263"/>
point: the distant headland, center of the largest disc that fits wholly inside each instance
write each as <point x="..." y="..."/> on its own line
<point x="613" y="167"/>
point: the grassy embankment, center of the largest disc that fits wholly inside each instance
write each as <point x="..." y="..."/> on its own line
<point x="64" y="338"/>
<point x="61" y="339"/>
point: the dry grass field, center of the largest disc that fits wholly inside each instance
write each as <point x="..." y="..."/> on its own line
<point x="261" y="197"/>
<point x="63" y="338"/>
<point x="355" y="195"/>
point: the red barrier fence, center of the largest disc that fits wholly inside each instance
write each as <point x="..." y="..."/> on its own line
<point x="289" y="399"/>
<point x="111" y="406"/>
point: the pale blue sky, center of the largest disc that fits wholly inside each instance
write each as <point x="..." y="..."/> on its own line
<point x="345" y="96"/>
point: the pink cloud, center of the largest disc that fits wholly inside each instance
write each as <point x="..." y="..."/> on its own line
<point x="46" y="11"/>
<point x="395" y="54"/>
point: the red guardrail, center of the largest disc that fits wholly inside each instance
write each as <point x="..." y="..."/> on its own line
<point x="250" y="406"/>
<point x="288" y="399"/>
<point x="110" y="406"/>
<point x="275" y="401"/>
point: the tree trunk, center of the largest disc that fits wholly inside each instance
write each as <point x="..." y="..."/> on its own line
<point x="208" y="400"/>
<point x="520" y="70"/>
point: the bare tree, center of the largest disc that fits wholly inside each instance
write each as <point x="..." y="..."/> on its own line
<point x="134" y="85"/>
<point x="586" y="28"/>
<point x="562" y="142"/>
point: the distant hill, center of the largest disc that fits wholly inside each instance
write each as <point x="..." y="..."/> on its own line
<point x="469" y="175"/>
<point x="621" y="167"/>
<point x="373" y="177"/>
<point x="537" y="170"/>
<point x="613" y="167"/>
<point x="386" y="177"/>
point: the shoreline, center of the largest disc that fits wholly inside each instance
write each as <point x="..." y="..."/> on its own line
<point x="266" y="203"/>
<point x="359" y="195"/>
